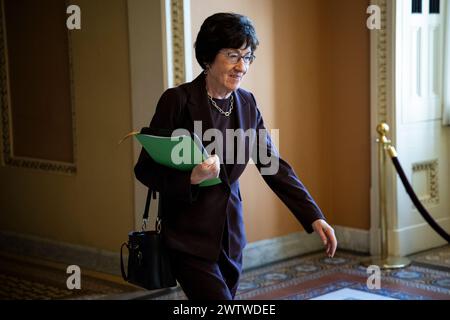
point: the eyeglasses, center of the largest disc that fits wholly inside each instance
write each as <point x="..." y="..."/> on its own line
<point x="234" y="57"/>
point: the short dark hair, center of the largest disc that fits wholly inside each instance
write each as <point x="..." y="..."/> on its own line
<point x="223" y="30"/>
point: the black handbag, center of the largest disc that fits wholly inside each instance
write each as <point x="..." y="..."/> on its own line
<point x="148" y="261"/>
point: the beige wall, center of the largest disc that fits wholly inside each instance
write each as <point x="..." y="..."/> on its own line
<point x="311" y="80"/>
<point x="95" y="206"/>
<point x="345" y="84"/>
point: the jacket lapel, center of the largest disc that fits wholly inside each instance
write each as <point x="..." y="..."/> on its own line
<point x="198" y="106"/>
<point x="243" y="122"/>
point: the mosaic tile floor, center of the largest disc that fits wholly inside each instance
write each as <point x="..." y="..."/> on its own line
<point x="317" y="277"/>
<point x="29" y="279"/>
<point x="439" y="257"/>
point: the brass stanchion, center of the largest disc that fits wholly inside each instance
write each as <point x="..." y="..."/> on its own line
<point x="384" y="261"/>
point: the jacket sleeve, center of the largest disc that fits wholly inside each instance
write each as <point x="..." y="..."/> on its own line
<point x="170" y="182"/>
<point x="282" y="179"/>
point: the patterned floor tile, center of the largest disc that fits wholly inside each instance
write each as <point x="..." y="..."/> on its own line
<point x="318" y="277"/>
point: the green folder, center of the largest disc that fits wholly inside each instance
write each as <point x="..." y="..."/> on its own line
<point x="179" y="152"/>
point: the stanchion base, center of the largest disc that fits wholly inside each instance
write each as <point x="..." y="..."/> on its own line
<point x="387" y="263"/>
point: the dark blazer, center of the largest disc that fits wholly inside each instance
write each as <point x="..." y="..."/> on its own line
<point x="194" y="217"/>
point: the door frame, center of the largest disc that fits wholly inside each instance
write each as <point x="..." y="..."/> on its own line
<point x="159" y="31"/>
<point x="147" y="81"/>
<point x="382" y="109"/>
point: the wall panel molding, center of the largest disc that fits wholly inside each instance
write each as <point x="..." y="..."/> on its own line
<point x="8" y="156"/>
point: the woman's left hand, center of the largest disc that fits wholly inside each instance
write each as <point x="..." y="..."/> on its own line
<point x="326" y="233"/>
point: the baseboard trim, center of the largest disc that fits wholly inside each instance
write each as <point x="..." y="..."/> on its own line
<point x="65" y="253"/>
<point x="255" y="254"/>
<point x="416" y="238"/>
<point x="270" y="250"/>
<point x="267" y="251"/>
<point x="352" y="239"/>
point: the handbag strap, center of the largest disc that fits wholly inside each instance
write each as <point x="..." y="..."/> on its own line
<point x="151" y="193"/>
<point x="122" y="268"/>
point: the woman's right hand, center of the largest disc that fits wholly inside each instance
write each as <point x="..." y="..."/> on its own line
<point x="208" y="169"/>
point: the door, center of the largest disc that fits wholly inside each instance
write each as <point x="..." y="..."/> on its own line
<point x="422" y="142"/>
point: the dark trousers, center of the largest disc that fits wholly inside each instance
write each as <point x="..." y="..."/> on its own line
<point x="201" y="279"/>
